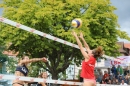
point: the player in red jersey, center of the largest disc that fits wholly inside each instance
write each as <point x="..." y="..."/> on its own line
<point x="88" y="64"/>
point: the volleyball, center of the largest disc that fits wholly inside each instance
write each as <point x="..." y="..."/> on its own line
<point x="76" y="23"/>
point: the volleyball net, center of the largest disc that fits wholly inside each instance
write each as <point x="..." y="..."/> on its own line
<point x="32" y="30"/>
<point x="60" y="82"/>
<point x="32" y="79"/>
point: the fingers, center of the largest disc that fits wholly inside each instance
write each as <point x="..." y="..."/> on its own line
<point x="44" y="59"/>
<point x="74" y="33"/>
<point x="81" y="35"/>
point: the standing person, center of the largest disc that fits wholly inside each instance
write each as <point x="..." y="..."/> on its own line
<point x="120" y="70"/>
<point x="44" y="76"/>
<point x="22" y="70"/>
<point x="100" y="77"/>
<point x="114" y="71"/>
<point x="88" y="64"/>
<point x="126" y="71"/>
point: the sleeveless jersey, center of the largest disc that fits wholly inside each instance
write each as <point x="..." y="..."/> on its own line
<point x="23" y="69"/>
<point x="87" y="71"/>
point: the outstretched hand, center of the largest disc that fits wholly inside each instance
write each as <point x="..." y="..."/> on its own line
<point x="74" y="33"/>
<point x="81" y="35"/>
<point x="44" y="59"/>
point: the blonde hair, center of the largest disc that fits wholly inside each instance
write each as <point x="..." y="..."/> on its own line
<point x="42" y="74"/>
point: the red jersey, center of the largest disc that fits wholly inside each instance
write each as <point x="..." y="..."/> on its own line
<point x="105" y="76"/>
<point x="87" y="71"/>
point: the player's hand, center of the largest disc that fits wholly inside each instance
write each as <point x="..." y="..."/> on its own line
<point x="74" y="33"/>
<point x="81" y="35"/>
<point x="44" y="59"/>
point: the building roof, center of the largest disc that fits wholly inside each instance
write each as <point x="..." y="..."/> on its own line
<point x="127" y="45"/>
<point x="121" y="49"/>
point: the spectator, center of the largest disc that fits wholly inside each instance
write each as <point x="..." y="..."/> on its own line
<point x="42" y="75"/>
<point x="102" y="82"/>
<point x="109" y="82"/>
<point x="107" y="79"/>
<point x="114" y="78"/>
<point x="105" y="75"/>
<point x="123" y="83"/>
<point x="120" y="70"/>
<point x="126" y="71"/>
<point x="114" y="81"/>
<point x="113" y="70"/>
<point x="117" y="82"/>
<point x="120" y="79"/>
<point x="126" y="80"/>
<point x="100" y="77"/>
<point x="109" y="71"/>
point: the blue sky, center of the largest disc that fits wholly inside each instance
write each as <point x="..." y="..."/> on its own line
<point x="123" y="13"/>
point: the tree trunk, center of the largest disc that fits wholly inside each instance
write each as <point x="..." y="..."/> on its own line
<point x="0" y="67"/>
<point x="54" y="77"/>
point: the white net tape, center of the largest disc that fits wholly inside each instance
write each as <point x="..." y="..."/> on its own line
<point x="32" y="79"/>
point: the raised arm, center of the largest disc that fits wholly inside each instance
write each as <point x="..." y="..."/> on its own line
<point x="84" y="42"/>
<point x="25" y="60"/>
<point x="80" y="46"/>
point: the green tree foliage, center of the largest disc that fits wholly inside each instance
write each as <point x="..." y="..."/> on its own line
<point x="3" y="58"/>
<point x="54" y="17"/>
<point x="11" y="65"/>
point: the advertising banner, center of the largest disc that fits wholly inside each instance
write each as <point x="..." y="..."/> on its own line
<point x="125" y="60"/>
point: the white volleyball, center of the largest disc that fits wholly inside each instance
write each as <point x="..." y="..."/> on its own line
<point x="76" y="23"/>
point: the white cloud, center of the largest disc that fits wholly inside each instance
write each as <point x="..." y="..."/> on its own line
<point x="126" y="26"/>
<point x="123" y="14"/>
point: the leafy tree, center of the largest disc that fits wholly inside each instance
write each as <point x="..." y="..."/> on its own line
<point x="11" y="65"/>
<point x="3" y="58"/>
<point x="54" y="17"/>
